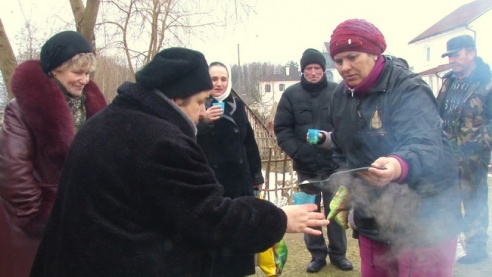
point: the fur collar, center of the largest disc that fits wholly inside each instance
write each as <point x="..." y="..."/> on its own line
<point x="45" y="109"/>
<point x="155" y="105"/>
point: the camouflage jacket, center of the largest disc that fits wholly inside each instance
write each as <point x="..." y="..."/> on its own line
<point x="470" y="135"/>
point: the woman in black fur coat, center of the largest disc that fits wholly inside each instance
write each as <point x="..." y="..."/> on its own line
<point x="137" y="197"/>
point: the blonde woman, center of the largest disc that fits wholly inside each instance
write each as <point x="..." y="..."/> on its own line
<point x="54" y="96"/>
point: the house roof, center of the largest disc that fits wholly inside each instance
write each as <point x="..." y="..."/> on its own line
<point x="281" y="77"/>
<point x="461" y="17"/>
<point x="436" y="70"/>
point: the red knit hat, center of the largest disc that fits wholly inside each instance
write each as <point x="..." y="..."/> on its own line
<point x="357" y="35"/>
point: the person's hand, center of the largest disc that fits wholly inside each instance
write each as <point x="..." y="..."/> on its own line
<point x="213" y="113"/>
<point x="382" y="177"/>
<point x="301" y="217"/>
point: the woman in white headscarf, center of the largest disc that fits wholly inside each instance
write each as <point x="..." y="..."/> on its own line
<point x="228" y="141"/>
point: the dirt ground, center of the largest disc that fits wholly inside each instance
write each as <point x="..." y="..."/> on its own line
<point x="298" y="258"/>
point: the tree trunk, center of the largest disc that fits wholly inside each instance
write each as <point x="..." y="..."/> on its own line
<point x="85" y="18"/>
<point x="7" y="59"/>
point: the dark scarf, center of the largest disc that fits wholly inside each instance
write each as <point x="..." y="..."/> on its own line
<point x="371" y="80"/>
<point x="314" y="87"/>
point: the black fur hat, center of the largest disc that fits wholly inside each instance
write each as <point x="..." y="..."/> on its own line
<point x="61" y="48"/>
<point x="312" y="56"/>
<point x="176" y="72"/>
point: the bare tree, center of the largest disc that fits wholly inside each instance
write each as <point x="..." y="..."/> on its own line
<point x="108" y="83"/>
<point x="85" y="17"/>
<point x="252" y="74"/>
<point x="4" y="98"/>
<point x="31" y="45"/>
<point x="138" y="29"/>
<point x="142" y="28"/>
<point x="7" y="59"/>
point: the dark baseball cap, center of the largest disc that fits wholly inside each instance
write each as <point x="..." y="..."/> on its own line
<point x="455" y="44"/>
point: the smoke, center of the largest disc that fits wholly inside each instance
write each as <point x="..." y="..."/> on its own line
<point x="395" y="208"/>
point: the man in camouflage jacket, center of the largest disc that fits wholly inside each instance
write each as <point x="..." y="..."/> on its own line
<point x="465" y="105"/>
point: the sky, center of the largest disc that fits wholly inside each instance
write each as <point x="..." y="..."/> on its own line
<point x="282" y="29"/>
<point x="279" y="30"/>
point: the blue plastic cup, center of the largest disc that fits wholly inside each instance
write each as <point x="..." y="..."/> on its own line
<point x="222" y="106"/>
<point x="303" y="198"/>
<point x="313" y="136"/>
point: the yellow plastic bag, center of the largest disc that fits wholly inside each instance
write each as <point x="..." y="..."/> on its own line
<point x="272" y="260"/>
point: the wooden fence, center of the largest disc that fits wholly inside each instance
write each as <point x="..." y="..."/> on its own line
<point x="280" y="178"/>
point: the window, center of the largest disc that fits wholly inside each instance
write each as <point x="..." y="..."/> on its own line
<point x="428" y="52"/>
<point x="268" y="88"/>
<point x="281" y="87"/>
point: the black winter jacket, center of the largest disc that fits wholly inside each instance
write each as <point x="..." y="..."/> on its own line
<point x="137" y="198"/>
<point x="399" y="116"/>
<point x="230" y="147"/>
<point x="299" y="110"/>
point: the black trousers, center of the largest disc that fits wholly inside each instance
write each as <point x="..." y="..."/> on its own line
<point x="337" y="238"/>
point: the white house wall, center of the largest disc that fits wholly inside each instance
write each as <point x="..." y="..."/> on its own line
<point x="437" y="45"/>
<point x="482" y="27"/>
<point x="275" y="93"/>
<point x="479" y="28"/>
<point x="268" y="99"/>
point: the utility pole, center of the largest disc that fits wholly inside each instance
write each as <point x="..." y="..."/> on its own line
<point x="240" y="81"/>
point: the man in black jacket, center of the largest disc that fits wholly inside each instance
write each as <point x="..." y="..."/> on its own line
<point x="304" y="106"/>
